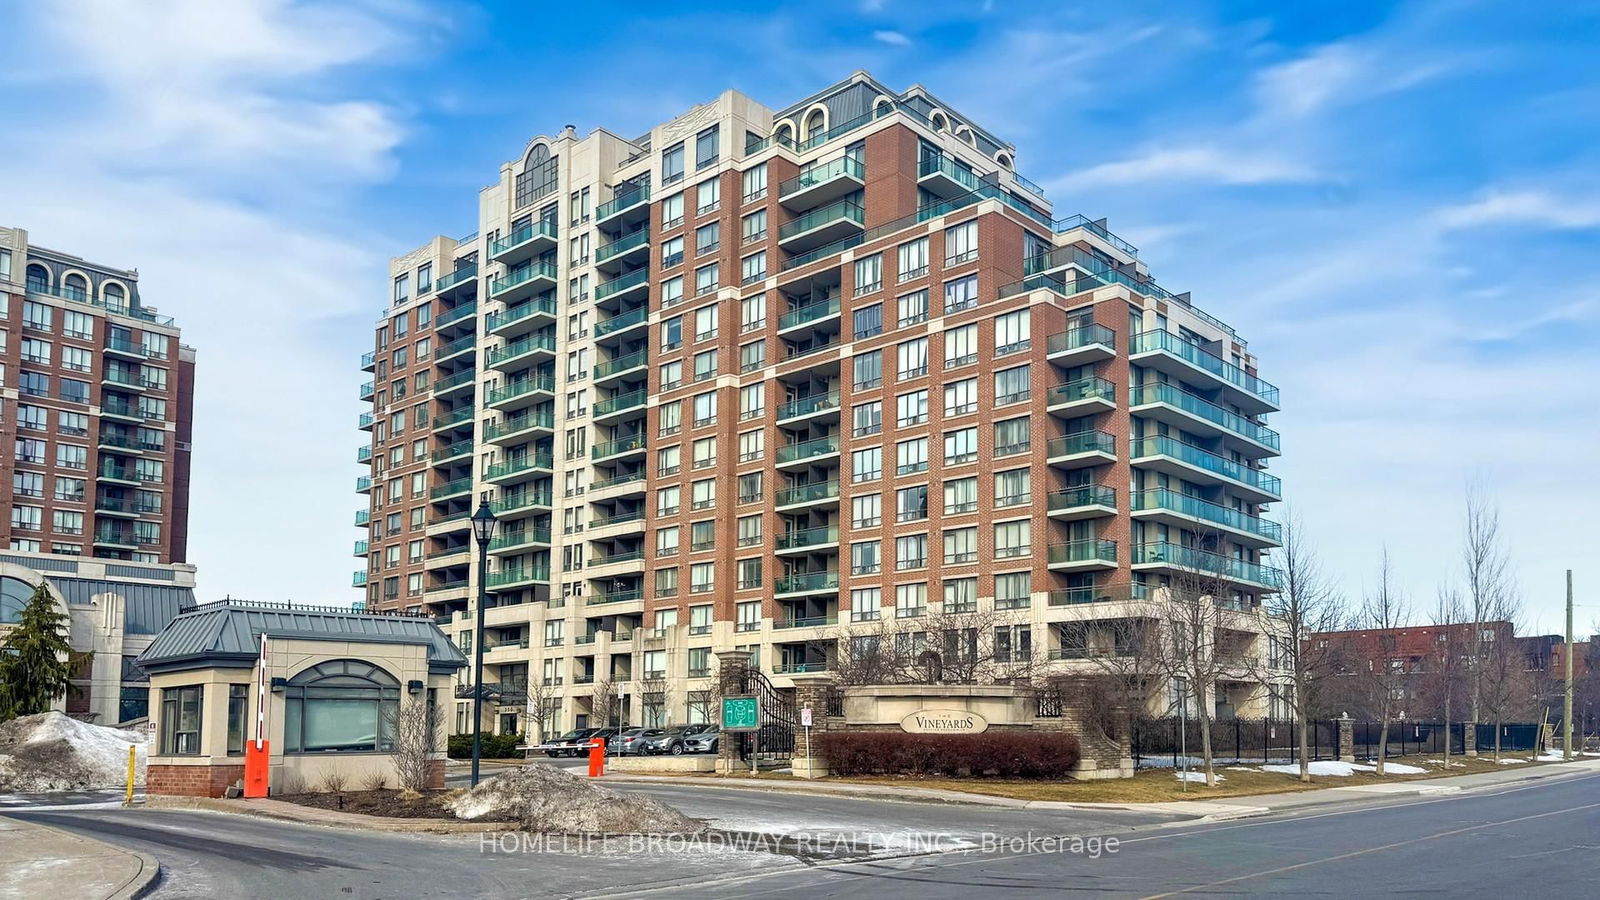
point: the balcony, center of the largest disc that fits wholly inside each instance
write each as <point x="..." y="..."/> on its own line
<point x="836" y="221"/>
<point x="520" y="393"/>
<point x="452" y="451"/>
<point x="462" y="282"/>
<point x="1086" y="502"/>
<point x="625" y="446"/>
<point x="524" y="243"/>
<point x="363" y="518"/>
<point x="809" y="314"/>
<point x="1193" y="363"/>
<point x="631" y="284"/>
<point x="635" y="517"/>
<point x="1173" y="508"/>
<point x="629" y="250"/>
<point x="456" y="488"/>
<point x="524" y="283"/>
<point x="1084" y="397"/>
<point x="460" y="382"/>
<point x="363" y="454"/>
<point x="940" y="175"/>
<point x="526" y="351"/>
<point x="806" y="583"/>
<point x="1194" y="414"/>
<point x="520" y="541"/>
<point x="621" y="365"/>
<point x="458" y="313"/>
<point x="369" y="360"/>
<point x="116" y="506"/>
<point x="600" y="598"/>
<point x="630" y="204"/>
<point x="512" y="579"/>
<point x="806" y="622"/>
<point x="1174" y="457"/>
<point x="521" y="319"/>
<point x="516" y="429"/>
<point x="823" y="183"/>
<point x="121" y="443"/>
<point x="622" y="323"/>
<point x="123" y="381"/>
<point x="1081" y="346"/>
<point x="123" y="347"/>
<point x="366" y="392"/>
<point x="117" y="538"/>
<point x="528" y="501"/>
<point x="809" y="406"/>
<point x="519" y="470"/>
<point x="1085" y="448"/>
<point x="808" y="539"/>
<point x="805" y="452"/>
<point x="807" y="494"/>
<point x="455" y="348"/>
<point x="620" y="404"/>
<point x="1077" y="556"/>
<point x="360" y="549"/>
<point x="453" y="419"/>
<point x="798" y="668"/>
<point x="1205" y="564"/>
<point x="363" y="484"/>
<point x="358" y="579"/>
<point x="618" y="558"/>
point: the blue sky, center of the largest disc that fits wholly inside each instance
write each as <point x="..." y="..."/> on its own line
<point x="1397" y="204"/>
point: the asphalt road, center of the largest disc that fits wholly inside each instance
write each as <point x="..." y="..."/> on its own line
<point x="1509" y="841"/>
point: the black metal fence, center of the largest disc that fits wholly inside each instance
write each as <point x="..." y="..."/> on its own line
<point x="1159" y="742"/>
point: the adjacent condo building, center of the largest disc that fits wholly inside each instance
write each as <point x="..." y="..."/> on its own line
<point x="98" y="401"/>
<point x="779" y="379"/>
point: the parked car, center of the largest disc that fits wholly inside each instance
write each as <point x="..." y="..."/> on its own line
<point x="631" y="740"/>
<point x="674" y="740"/>
<point x="702" y="741"/>
<point x="575" y="742"/>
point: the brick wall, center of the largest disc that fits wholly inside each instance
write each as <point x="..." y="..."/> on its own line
<point x="194" y="781"/>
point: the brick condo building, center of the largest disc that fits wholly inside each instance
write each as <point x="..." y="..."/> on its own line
<point x="760" y="378"/>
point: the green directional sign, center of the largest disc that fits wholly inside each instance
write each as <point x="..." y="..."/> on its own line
<point x="740" y="714"/>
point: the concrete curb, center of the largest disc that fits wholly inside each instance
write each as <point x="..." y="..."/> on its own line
<point x="140" y="884"/>
<point x="305" y="815"/>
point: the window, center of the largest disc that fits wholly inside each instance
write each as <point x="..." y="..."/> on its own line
<point x="708" y="196"/>
<point x="1011" y="437"/>
<point x="1012" y="333"/>
<point x="671" y="375"/>
<point x="866" y="465"/>
<point x="911" y="504"/>
<point x="669" y="460"/>
<point x="866" y="511"/>
<point x="38" y="316"/>
<point x="960" y="546"/>
<point x="66" y="521"/>
<point x="705" y="148"/>
<point x="1011" y="539"/>
<point x="911" y="456"/>
<point x="672" y="165"/>
<point x="750" y="531"/>
<point x="911" y="551"/>
<point x="667" y="541"/>
<point x="752" y="445"/>
<point x="36" y="351"/>
<point x="702" y="578"/>
<point x="913" y="259"/>
<point x="1011" y="385"/>
<point x="703" y="535"/>
<point x="755" y="183"/>
<point x="961" y="397"/>
<point x="913" y="308"/>
<point x="962" y="293"/>
<point x="666" y="582"/>
<point x="961" y="446"/>
<point x="1012" y="488"/>
<point x="748" y="616"/>
<point x="34" y="384"/>
<point x="910" y="600"/>
<point x="703" y="494"/>
<point x="79" y="360"/>
<point x="671" y="417"/>
<point x="238" y="711"/>
<point x="753" y="313"/>
<point x="752" y="401"/>
<point x="864" y="558"/>
<point x="81" y="325"/>
<point x="70" y="456"/>
<point x="868" y="321"/>
<point x="960" y="243"/>
<point x="705" y="365"/>
<point x="704" y="452"/>
<point x="705" y="322"/>
<point x="706" y="279"/>
<point x="1013" y="590"/>
<point x="667" y="499"/>
<point x="913" y="358"/>
<point x="27" y="484"/>
<point x="868" y="418"/>
<point x="961" y="346"/>
<point x="912" y="408"/>
<point x="753" y="268"/>
<point x="705" y="409"/>
<point x="754" y="226"/>
<point x="671" y="251"/>
<point x="749" y="573"/>
<point x="869" y="274"/>
<point x="33" y="418"/>
<point x="672" y="211"/>
<point x="72" y="489"/>
<point x="960" y="496"/>
<point x="960" y="595"/>
<point x="180" y="720"/>
<point x="1013" y="643"/>
<point x="340" y="705"/>
<point x="707" y="237"/>
<point x="402" y="292"/>
<point x="867" y="369"/>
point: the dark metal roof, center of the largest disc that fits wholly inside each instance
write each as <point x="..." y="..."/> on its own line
<point x="230" y="632"/>
<point x="148" y="608"/>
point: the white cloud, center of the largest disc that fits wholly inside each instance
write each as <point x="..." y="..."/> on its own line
<point x="1523" y="207"/>
<point x="1196" y="163"/>
<point x="1339" y="72"/>
<point x="892" y="38"/>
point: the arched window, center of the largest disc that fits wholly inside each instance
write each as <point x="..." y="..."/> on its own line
<point x="38" y="278"/>
<point x="115" y="299"/>
<point x="1004" y="159"/>
<point x="940" y="123"/>
<point x="882" y="108"/>
<point x="343" y="705"/>
<point x="14" y="595"/>
<point x="538" y="176"/>
<point x="816" y="124"/>
<point x="784" y="133"/>
<point x="75" y="287"/>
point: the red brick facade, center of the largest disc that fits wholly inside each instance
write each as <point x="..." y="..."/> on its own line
<point x="191" y="781"/>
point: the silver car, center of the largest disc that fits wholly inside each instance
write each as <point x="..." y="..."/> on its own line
<point x="674" y="740"/>
<point x="702" y="741"/>
<point x="630" y="740"/>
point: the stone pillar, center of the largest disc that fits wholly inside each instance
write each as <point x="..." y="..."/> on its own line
<point x="810" y="691"/>
<point x="728" y="663"/>
<point x="1469" y="738"/>
<point x="1347" y="739"/>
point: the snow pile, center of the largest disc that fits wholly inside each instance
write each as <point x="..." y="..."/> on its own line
<point x="550" y="800"/>
<point x="1336" y="769"/>
<point x="53" y="752"/>
<point x="1196" y="777"/>
<point x="1512" y="762"/>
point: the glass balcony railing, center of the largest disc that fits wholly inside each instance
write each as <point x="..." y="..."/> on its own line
<point x="621" y="321"/>
<point x="363" y="454"/>
<point x="360" y="549"/>
<point x="451" y="451"/>
<point x="627" y="196"/>
<point x="1160" y="445"/>
<point x="811" y="312"/>
<point x="808" y="449"/>
<point x="1194" y="507"/>
<point x="363" y="517"/>
<point x="521" y="276"/>
<point x="1082" y="389"/>
<point x="525" y="500"/>
<point x="521" y="386"/>
<point x="822" y="173"/>
<point x="621" y="402"/>
<point x="618" y="285"/>
<point x="1167" y="342"/>
<point x="521" y="538"/>
<point x="620" y="445"/>
<point x="514" y="467"/>
<point x="940" y="164"/>
<point x="617" y="481"/>
<point x="841" y="209"/>
<point x="621" y="364"/>
<point x="519" y="423"/>
<point x="1228" y="420"/>
<point x="358" y="579"/>
<point x="1077" y="338"/>
<point x="806" y="622"/>
<point x="542" y="306"/>
<point x="368" y="359"/>
<point x="620" y="556"/>
<point x="366" y="391"/>
<point x="808" y="537"/>
<point x="806" y="581"/>
<point x="506" y="577"/>
<point x="455" y="314"/>
<point x="805" y="493"/>
<point x="451" y="488"/>
<point x="451" y="382"/>
<point x="1060" y="226"/>
<point x="456" y="417"/>
<point x="1078" y="497"/>
<point x="363" y="483"/>
<point x="623" y="596"/>
<point x="1081" y="442"/>
<point x="521" y="346"/>
<point x="542" y="228"/>
<point x="1214" y="564"/>
<point x="622" y="245"/>
<point x="805" y="406"/>
<point x="451" y="279"/>
<point x="798" y="668"/>
<point x="457" y="346"/>
<point x="1082" y="551"/>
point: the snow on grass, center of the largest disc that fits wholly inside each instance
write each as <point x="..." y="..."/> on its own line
<point x="1508" y="761"/>
<point x="1196" y="777"/>
<point x="1336" y="769"/>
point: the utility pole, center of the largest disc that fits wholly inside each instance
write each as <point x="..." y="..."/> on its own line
<point x="1566" y="703"/>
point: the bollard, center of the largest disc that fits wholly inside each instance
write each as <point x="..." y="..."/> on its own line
<point x="133" y="766"/>
<point x="597" y="757"/>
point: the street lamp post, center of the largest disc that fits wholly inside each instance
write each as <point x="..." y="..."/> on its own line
<point x="483" y="523"/>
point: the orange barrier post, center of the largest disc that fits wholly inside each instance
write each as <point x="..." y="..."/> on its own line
<point x="597" y="757"/>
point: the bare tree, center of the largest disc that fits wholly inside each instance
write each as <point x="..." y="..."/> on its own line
<point x="415" y="727"/>
<point x="1305" y="605"/>
<point x="1506" y="686"/>
<point x="865" y="654"/>
<point x="1486" y="570"/>
<point x="602" y="699"/>
<point x="1385" y="610"/>
<point x="1446" y="658"/>
<point x="540" y="708"/>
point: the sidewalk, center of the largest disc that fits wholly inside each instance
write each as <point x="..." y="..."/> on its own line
<point x="1202" y="810"/>
<point x="40" y="861"/>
